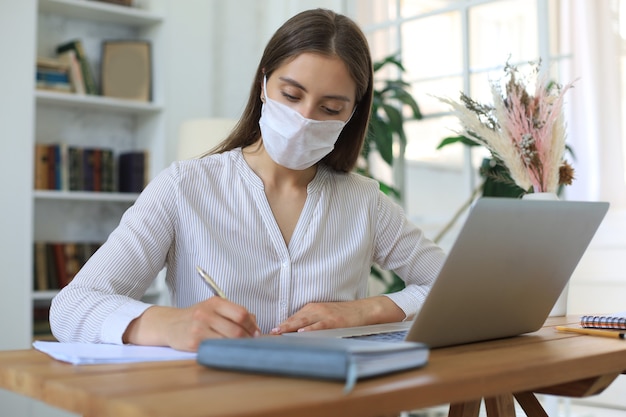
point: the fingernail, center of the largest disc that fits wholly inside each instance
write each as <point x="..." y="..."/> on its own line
<point x="276" y="330"/>
<point x="257" y="333"/>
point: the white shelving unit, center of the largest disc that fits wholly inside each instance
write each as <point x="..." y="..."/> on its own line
<point x="95" y="103"/>
<point x="93" y="121"/>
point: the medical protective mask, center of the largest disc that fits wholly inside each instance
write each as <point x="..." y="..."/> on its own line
<point x="292" y="140"/>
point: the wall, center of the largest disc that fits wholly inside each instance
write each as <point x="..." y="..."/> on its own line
<point x="16" y="129"/>
<point x="598" y="286"/>
<point x="213" y="52"/>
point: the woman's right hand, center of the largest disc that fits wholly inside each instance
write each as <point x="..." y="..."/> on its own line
<point x="185" y="328"/>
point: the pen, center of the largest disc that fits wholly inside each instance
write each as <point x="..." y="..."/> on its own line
<point x="217" y="290"/>
<point x="593" y="332"/>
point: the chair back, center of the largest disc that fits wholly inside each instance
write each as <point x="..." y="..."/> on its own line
<point x="197" y="136"/>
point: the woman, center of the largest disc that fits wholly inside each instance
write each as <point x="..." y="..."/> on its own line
<point x="274" y="215"/>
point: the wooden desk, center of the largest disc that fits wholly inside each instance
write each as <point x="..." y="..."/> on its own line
<point x="541" y="362"/>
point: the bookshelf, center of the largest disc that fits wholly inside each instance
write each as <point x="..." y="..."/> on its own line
<point x="92" y="121"/>
<point x="96" y="103"/>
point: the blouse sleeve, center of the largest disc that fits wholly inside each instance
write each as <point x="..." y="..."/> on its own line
<point x="402" y="247"/>
<point x="104" y="297"/>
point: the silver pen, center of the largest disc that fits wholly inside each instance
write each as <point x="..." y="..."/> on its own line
<point x="217" y="290"/>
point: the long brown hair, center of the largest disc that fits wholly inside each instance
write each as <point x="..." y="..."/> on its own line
<point x="324" y="32"/>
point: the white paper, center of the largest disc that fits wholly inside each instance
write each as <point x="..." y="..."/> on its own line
<point x="92" y="353"/>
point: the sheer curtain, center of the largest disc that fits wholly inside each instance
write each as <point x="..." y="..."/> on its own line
<point x="594" y="128"/>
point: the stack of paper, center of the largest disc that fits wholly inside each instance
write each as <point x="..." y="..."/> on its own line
<point x="89" y="353"/>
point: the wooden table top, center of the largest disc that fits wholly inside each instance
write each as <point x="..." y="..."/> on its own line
<point x="544" y="361"/>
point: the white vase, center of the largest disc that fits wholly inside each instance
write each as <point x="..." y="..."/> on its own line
<point x="560" y="307"/>
<point x="540" y="196"/>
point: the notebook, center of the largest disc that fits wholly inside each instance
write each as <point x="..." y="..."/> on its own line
<point x="504" y="273"/>
<point x="607" y="321"/>
<point x="322" y="358"/>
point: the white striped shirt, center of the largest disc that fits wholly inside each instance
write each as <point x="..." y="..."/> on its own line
<point x="213" y="212"/>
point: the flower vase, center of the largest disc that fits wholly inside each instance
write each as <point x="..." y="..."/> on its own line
<point x="540" y="196"/>
<point x="560" y="307"/>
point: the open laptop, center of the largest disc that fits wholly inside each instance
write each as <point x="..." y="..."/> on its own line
<point x="504" y="273"/>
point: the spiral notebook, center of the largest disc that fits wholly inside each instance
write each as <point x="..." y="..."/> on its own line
<point x="504" y="273"/>
<point x="615" y="321"/>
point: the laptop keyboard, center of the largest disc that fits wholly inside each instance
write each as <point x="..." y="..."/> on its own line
<point x="398" y="336"/>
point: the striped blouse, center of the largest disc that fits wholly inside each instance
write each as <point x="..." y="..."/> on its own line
<point x="213" y="212"/>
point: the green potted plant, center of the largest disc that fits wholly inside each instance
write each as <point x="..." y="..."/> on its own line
<point x="391" y="98"/>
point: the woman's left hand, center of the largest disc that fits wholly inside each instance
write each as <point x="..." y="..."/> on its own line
<point x="318" y="316"/>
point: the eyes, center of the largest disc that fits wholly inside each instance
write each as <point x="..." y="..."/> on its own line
<point x="329" y="106"/>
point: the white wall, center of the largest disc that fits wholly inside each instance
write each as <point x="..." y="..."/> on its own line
<point x="214" y="48"/>
<point x="16" y="176"/>
<point x="17" y="41"/>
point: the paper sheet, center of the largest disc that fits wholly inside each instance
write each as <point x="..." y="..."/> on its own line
<point x="91" y="353"/>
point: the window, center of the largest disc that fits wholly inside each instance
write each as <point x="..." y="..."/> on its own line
<point x="448" y="46"/>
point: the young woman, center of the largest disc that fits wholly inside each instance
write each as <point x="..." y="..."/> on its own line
<point x="274" y="215"/>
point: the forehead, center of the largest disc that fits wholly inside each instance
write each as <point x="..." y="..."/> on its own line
<point x="319" y="73"/>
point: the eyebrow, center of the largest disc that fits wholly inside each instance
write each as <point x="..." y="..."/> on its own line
<point x="301" y="87"/>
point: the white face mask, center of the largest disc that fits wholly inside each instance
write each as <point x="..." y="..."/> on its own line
<point x="292" y="140"/>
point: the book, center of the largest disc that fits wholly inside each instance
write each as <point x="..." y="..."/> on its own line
<point x="51" y="268"/>
<point x="132" y="170"/>
<point x="41" y="324"/>
<point x="126" y="70"/>
<point x="73" y="261"/>
<point x="55" y="264"/>
<point x="41" y="166"/>
<point x="75" y="168"/>
<point x="41" y="272"/>
<point x="46" y="63"/>
<point x="611" y="321"/>
<point x="52" y="74"/>
<point x="89" y="169"/>
<point x="59" y="264"/>
<point x="322" y="358"/>
<point x="50" y="167"/>
<point x="108" y="170"/>
<point x="59" y="87"/>
<point x="74" y="69"/>
<point x="88" y="77"/>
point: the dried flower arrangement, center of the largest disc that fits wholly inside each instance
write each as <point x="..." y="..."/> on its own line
<point x="524" y="132"/>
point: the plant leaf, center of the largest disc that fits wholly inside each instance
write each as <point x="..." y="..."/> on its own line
<point x="391" y="59"/>
<point x="456" y="139"/>
<point x="389" y="190"/>
<point x="407" y="99"/>
<point x="395" y="121"/>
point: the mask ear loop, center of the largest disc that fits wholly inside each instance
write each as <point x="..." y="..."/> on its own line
<point x="264" y="97"/>
<point x="352" y="114"/>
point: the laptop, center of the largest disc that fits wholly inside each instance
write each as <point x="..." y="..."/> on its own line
<point x="504" y="273"/>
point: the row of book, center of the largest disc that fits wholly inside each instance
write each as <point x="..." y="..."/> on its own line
<point x="68" y="72"/>
<point x="75" y="168"/>
<point x="56" y="263"/>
